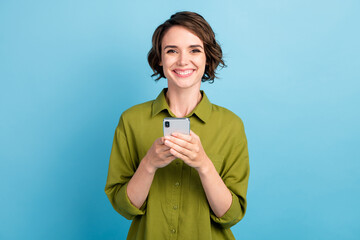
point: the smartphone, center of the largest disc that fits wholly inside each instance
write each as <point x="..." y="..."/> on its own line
<point x="180" y="125"/>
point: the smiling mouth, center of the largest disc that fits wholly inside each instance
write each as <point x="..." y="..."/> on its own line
<point x="183" y="73"/>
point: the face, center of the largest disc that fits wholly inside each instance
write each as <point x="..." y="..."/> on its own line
<point x="183" y="58"/>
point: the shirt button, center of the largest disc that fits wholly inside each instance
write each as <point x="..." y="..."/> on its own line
<point x="173" y="230"/>
<point x="177" y="184"/>
<point x="175" y="207"/>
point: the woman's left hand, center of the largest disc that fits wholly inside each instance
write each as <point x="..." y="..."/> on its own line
<point x="188" y="148"/>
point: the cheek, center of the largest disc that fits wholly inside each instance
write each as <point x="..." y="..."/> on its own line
<point x="201" y="61"/>
<point x="166" y="62"/>
<point x="166" y="67"/>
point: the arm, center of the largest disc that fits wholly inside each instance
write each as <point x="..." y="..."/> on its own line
<point x="189" y="149"/>
<point x="140" y="183"/>
<point x="122" y="167"/>
<point x="226" y="193"/>
<point x="138" y="188"/>
<point x="127" y="184"/>
<point x="217" y="194"/>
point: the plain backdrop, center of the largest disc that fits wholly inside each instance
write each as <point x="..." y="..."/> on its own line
<point x="68" y="69"/>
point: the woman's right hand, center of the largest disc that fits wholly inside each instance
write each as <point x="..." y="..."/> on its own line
<point x="158" y="156"/>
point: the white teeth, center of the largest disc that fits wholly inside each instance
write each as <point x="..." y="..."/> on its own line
<point x="184" y="72"/>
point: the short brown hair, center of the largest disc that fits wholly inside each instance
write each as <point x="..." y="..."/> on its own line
<point x="201" y="28"/>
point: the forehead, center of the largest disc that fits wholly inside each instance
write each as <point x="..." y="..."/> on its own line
<point x="181" y="37"/>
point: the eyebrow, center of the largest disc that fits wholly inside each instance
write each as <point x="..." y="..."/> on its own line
<point x="174" y="46"/>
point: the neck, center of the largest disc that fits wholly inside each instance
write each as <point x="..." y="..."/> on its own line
<point x="182" y="102"/>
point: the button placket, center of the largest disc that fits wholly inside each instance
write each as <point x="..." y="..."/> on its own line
<point x="175" y="201"/>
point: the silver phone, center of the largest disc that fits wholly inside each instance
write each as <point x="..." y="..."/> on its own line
<point x="180" y="125"/>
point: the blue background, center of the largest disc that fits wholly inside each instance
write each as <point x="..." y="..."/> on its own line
<point x="69" y="68"/>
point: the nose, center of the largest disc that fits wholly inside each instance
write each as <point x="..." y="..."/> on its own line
<point x="183" y="59"/>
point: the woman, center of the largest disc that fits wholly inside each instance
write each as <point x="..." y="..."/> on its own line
<point x="182" y="186"/>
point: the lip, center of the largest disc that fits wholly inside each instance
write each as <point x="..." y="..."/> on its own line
<point x="183" y="73"/>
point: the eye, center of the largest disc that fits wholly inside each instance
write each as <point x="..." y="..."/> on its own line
<point x="171" y="51"/>
<point x="196" y="50"/>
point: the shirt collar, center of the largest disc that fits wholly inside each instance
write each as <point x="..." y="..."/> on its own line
<point x="202" y="110"/>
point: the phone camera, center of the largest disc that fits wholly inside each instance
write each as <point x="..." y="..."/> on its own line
<point x="167" y="124"/>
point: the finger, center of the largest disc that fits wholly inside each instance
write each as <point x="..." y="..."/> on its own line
<point x="179" y="142"/>
<point x="161" y="145"/>
<point x="167" y="153"/>
<point x="161" y="140"/>
<point x="185" y="137"/>
<point x="178" y="148"/>
<point x="192" y="134"/>
<point x="179" y="155"/>
<point x="159" y="149"/>
<point x="170" y="158"/>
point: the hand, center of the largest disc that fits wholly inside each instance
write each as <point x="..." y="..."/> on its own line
<point x="188" y="148"/>
<point x="158" y="156"/>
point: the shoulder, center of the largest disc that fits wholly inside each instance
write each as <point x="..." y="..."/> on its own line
<point x="227" y="115"/>
<point x="137" y="110"/>
<point x="228" y="124"/>
<point x="135" y="113"/>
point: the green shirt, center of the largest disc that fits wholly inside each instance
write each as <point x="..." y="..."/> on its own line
<point x="176" y="207"/>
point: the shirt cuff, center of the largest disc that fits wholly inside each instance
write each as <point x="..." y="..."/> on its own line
<point x="126" y="208"/>
<point x="232" y="216"/>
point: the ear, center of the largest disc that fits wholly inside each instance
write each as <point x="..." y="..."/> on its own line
<point x="160" y="64"/>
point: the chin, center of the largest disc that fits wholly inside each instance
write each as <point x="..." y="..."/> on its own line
<point x="184" y="85"/>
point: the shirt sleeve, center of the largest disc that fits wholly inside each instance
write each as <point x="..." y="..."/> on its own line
<point x="121" y="168"/>
<point x="235" y="175"/>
